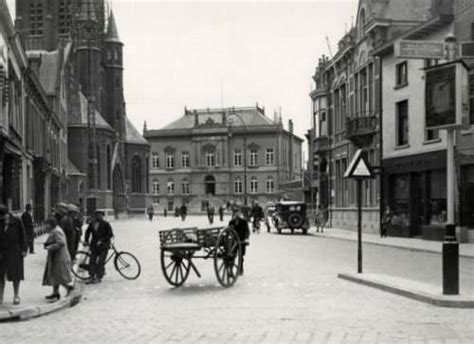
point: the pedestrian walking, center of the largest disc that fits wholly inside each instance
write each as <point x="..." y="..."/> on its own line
<point x="65" y="222"/>
<point x="165" y="212"/>
<point x="183" y="212"/>
<point x="240" y="225"/>
<point x="77" y="222"/>
<point x="257" y="215"/>
<point x="320" y="219"/>
<point x="57" y="271"/>
<point x="386" y="222"/>
<point x="27" y="220"/>
<point x="150" y="211"/>
<point x="98" y="237"/>
<point x="13" y="248"/>
<point x="221" y="212"/>
<point x="210" y="213"/>
<point x="176" y="212"/>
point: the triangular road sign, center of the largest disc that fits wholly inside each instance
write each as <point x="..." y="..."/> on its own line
<point x="359" y="167"/>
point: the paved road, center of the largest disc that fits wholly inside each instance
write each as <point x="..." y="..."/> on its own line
<point x="290" y="293"/>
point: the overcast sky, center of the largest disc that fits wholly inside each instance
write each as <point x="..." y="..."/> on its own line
<point x="179" y="54"/>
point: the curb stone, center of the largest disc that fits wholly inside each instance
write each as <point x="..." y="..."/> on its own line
<point x="371" y="280"/>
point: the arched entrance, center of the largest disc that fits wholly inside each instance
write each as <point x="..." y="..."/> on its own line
<point x="210" y="185"/>
<point x="118" y="190"/>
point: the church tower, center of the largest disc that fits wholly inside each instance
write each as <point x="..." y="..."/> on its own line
<point x="114" y="105"/>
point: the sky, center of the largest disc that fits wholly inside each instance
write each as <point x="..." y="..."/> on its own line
<point x="208" y="54"/>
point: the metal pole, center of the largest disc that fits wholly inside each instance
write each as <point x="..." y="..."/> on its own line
<point x="359" y="226"/>
<point x="450" y="174"/>
<point x="245" y="167"/>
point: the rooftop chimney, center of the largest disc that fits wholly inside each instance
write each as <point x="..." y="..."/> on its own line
<point x="290" y="126"/>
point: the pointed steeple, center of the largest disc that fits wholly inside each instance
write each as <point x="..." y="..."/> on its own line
<point x="112" y="32"/>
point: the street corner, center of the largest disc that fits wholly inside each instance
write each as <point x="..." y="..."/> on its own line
<point x="411" y="289"/>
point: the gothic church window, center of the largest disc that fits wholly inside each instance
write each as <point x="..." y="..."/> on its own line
<point x="136" y="174"/>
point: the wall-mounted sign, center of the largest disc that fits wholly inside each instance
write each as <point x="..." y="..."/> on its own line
<point x="419" y="49"/>
<point x="446" y="96"/>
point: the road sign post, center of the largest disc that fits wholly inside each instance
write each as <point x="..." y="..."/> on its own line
<point x="359" y="169"/>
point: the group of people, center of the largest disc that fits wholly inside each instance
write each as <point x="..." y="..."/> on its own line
<point x="64" y="228"/>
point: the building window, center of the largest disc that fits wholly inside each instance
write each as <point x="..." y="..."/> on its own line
<point x="185" y="159"/>
<point x="269" y="156"/>
<point x="36" y="18"/>
<point x="170" y="160"/>
<point x="253" y="157"/>
<point x="155" y="160"/>
<point x="270" y="185"/>
<point x="185" y="187"/>
<point x="401" y="74"/>
<point x="253" y="185"/>
<point x="238" y="186"/>
<point x="170" y="188"/>
<point x="402" y="123"/>
<point x="156" y="187"/>
<point x="237" y="158"/>
<point x="64" y="17"/>
<point x="210" y="158"/>
<point x="431" y="134"/>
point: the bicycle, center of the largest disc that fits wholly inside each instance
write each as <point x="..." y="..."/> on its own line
<point x="126" y="264"/>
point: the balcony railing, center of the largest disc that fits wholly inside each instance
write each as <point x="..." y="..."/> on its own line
<point x="361" y="128"/>
<point x="320" y="144"/>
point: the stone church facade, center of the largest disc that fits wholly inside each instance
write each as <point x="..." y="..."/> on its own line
<point x="75" y="48"/>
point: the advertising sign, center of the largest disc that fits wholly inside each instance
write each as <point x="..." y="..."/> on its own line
<point x="446" y="96"/>
<point x="419" y="49"/>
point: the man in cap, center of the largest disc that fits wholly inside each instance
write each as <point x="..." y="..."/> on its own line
<point x="241" y="226"/>
<point x="65" y="222"/>
<point x="13" y="248"/>
<point x="98" y="237"/>
<point x="27" y="220"/>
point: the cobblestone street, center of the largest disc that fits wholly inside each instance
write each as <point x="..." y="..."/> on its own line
<point x="290" y="293"/>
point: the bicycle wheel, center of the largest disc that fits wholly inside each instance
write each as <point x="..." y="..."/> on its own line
<point x="127" y="265"/>
<point x="81" y="269"/>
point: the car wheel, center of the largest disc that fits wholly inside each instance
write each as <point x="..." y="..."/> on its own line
<point x="295" y="220"/>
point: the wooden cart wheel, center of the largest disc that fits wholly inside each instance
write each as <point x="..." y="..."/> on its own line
<point x="176" y="266"/>
<point x="227" y="257"/>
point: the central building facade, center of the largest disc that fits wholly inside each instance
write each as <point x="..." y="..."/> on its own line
<point x="222" y="155"/>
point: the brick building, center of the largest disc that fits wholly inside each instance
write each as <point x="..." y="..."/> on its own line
<point x="221" y="155"/>
<point x="79" y="57"/>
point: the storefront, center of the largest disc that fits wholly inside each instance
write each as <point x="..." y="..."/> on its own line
<point x="416" y="192"/>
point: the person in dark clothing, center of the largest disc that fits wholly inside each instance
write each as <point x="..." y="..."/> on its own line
<point x="98" y="237"/>
<point x="77" y="222"/>
<point x="240" y="225"/>
<point x="176" y="212"/>
<point x="183" y="212"/>
<point x="65" y="222"/>
<point x="257" y="215"/>
<point x="210" y="213"/>
<point x="13" y="248"/>
<point x="386" y="222"/>
<point x="27" y="220"/>
<point x="150" y="211"/>
<point x="221" y="213"/>
<point x="165" y="212"/>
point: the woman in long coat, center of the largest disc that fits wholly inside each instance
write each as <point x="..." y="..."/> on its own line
<point x="58" y="265"/>
<point x="13" y="247"/>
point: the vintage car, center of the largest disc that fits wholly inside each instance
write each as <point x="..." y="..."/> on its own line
<point x="291" y="215"/>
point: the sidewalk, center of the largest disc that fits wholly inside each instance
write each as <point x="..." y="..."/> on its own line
<point x="32" y="293"/>
<point x="465" y="250"/>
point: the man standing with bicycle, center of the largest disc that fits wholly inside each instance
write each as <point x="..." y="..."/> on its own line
<point x="98" y="236"/>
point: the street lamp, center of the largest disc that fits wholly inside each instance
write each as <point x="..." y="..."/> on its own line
<point x="245" y="154"/>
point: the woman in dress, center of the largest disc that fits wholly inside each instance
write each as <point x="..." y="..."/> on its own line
<point x="58" y="265"/>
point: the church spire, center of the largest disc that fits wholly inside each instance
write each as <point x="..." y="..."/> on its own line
<point x="112" y="32"/>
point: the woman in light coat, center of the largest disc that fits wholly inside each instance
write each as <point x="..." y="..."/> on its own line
<point x="58" y="265"/>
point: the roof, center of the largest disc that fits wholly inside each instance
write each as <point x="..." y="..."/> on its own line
<point x="132" y="134"/>
<point x="78" y="113"/>
<point x="401" y="10"/>
<point x="112" y="32"/>
<point x="49" y="69"/>
<point x="72" y="169"/>
<point x="251" y="116"/>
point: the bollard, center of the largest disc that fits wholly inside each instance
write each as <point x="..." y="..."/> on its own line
<point x="450" y="262"/>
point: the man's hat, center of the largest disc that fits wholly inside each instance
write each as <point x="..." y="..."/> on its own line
<point x="63" y="206"/>
<point x="99" y="211"/>
<point x="73" y="208"/>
